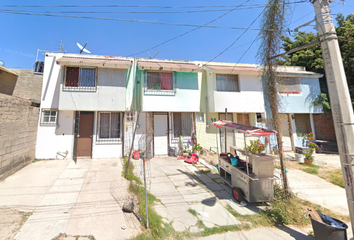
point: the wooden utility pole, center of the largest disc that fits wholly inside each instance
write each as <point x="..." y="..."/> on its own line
<point x="341" y="105"/>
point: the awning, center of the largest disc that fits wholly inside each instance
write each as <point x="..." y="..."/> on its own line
<point x="169" y="66"/>
<point x="248" y="130"/>
<point x="231" y="69"/>
<point x="7" y="70"/>
<point x="94" y="62"/>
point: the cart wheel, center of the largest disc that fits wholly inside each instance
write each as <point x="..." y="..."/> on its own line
<point x="237" y="193"/>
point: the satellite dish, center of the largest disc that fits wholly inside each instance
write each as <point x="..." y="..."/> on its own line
<point x="2" y="63"/>
<point x="82" y="48"/>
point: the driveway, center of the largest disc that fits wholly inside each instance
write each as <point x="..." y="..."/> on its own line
<point x="80" y="199"/>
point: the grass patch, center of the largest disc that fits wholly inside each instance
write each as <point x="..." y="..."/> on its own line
<point x="35" y="160"/>
<point x="130" y="175"/>
<point x="193" y="212"/>
<point x="334" y="176"/>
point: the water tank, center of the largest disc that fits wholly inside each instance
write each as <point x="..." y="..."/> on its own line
<point x="39" y="67"/>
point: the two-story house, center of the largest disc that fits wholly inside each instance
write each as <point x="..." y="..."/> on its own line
<point x="82" y="106"/>
<point x="88" y="104"/>
<point x="239" y="91"/>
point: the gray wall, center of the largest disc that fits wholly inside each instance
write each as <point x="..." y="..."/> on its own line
<point x="18" y="131"/>
<point x="7" y="82"/>
<point x="28" y="84"/>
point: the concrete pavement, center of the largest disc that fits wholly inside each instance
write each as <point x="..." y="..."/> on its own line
<point x="80" y="199"/>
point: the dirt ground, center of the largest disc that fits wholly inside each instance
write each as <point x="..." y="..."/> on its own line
<point x="10" y="222"/>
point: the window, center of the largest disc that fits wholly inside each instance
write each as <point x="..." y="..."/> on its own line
<point x="243" y="118"/>
<point x="80" y="78"/>
<point x="130" y="116"/>
<point x="289" y="85"/>
<point x="302" y="124"/>
<point x="200" y="117"/>
<point x="109" y="126"/>
<point x="227" y="83"/>
<point x="159" y="82"/>
<point x="182" y="124"/>
<point x="49" y="117"/>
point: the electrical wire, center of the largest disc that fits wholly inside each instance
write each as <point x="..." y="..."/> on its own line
<point x="185" y="33"/>
<point x="126" y="20"/>
<point x="248" y="28"/>
<point x="133" y="6"/>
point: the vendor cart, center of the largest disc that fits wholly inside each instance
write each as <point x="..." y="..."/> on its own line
<point x="252" y="177"/>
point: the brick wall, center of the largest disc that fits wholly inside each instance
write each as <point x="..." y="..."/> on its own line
<point x="18" y="132"/>
<point x="28" y="84"/>
<point x="324" y="127"/>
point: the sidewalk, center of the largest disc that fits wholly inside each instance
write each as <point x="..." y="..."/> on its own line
<point x="83" y="199"/>
<point x="181" y="186"/>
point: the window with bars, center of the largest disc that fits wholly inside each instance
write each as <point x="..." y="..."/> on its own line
<point x="159" y="82"/>
<point x="80" y="78"/>
<point x="182" y="124"/>
<point x="109" y="126"/>
<point x="49" y="117"/>
<point x="289" y="85"/>
<point x="227" y="83"/>
<point x="130" y="116"/>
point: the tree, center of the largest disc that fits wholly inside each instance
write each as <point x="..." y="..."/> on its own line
<point x="311" y="57"/>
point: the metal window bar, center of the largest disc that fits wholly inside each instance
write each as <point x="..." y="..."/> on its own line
<point x="159" y="83"/>
<point x="109" y="126"/>
<point x="80" y="79"/>
<point x="290" y="85"/>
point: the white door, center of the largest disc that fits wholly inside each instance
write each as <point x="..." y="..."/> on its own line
<point x="160" y="134"/>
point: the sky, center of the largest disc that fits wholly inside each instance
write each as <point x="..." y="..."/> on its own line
<point x="22" y="35"/>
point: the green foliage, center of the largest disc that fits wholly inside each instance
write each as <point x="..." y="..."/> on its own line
<point x="322" y="100"/>
<point x="311" y="57"/>
<point x="256" y="146"/>
<point x="130" y="175"/>
<point x="193" y="212"/>
<point x="336" y="178"/>
<point x="197" y="147"/>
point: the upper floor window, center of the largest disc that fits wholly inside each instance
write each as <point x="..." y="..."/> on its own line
<point x="159" y="83"/>
<point x="227" y="83"/>
<point x="289" y="85"/>
<point x="77" y="78"/>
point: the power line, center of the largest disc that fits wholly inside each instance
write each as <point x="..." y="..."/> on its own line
<point x="185" y="33"/>
<point x="138" y="12"/>
<point x="126" y="20"/>
<point x="248" y="28"/>
<point x="132" y="6"/>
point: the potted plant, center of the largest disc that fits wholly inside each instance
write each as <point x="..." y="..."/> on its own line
<point x="197" y="148"/>
<point x="256" y="146"/>
<point x="309" y="157"/>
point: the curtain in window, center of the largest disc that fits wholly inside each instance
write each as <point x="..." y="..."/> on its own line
<point x="115" y="125"/>
<point x="187" y="124"/>
<point x="166" y="81"/>
<point x="104" y="125"/>
<point x="177" y="125"/>
<point x="153" y="80"/>
<point x="221" y="83"/>
<point x="87" y="77"/>
<point x="232" y="83"/>
<point x="72" y="77"/>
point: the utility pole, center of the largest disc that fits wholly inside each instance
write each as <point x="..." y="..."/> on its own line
<point x="342" y="109"/>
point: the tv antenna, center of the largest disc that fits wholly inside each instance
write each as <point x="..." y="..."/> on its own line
<point x="154" y="55"/>
<point x="82" y="48"/>
<point x="62" y="50"/>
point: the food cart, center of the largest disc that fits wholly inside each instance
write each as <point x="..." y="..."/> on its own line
<point x="252" y="178"/>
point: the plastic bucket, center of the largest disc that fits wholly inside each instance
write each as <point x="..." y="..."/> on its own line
<point x="324" y="231"/>
<point x="234" y="162"/>
<point x="136" y="155"/>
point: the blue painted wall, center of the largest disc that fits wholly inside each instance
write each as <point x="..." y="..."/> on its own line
<point x="302" y="103"/>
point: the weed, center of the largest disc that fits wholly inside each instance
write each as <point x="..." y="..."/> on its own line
<point x="130" y="175"/>
<point x="193" y="212"/>
<point x="336" y="178"/>
<point x="313" y="171"/>
<point x="35" y="160"/>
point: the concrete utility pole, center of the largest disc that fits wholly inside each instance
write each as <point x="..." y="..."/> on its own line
<point x="342" y="110"/>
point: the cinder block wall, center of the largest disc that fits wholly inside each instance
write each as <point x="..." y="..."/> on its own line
<point x="28" y="84"/>
<point x="18" y="132"/>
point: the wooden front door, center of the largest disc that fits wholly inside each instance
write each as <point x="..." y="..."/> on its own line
<point x="84" y="145"/>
